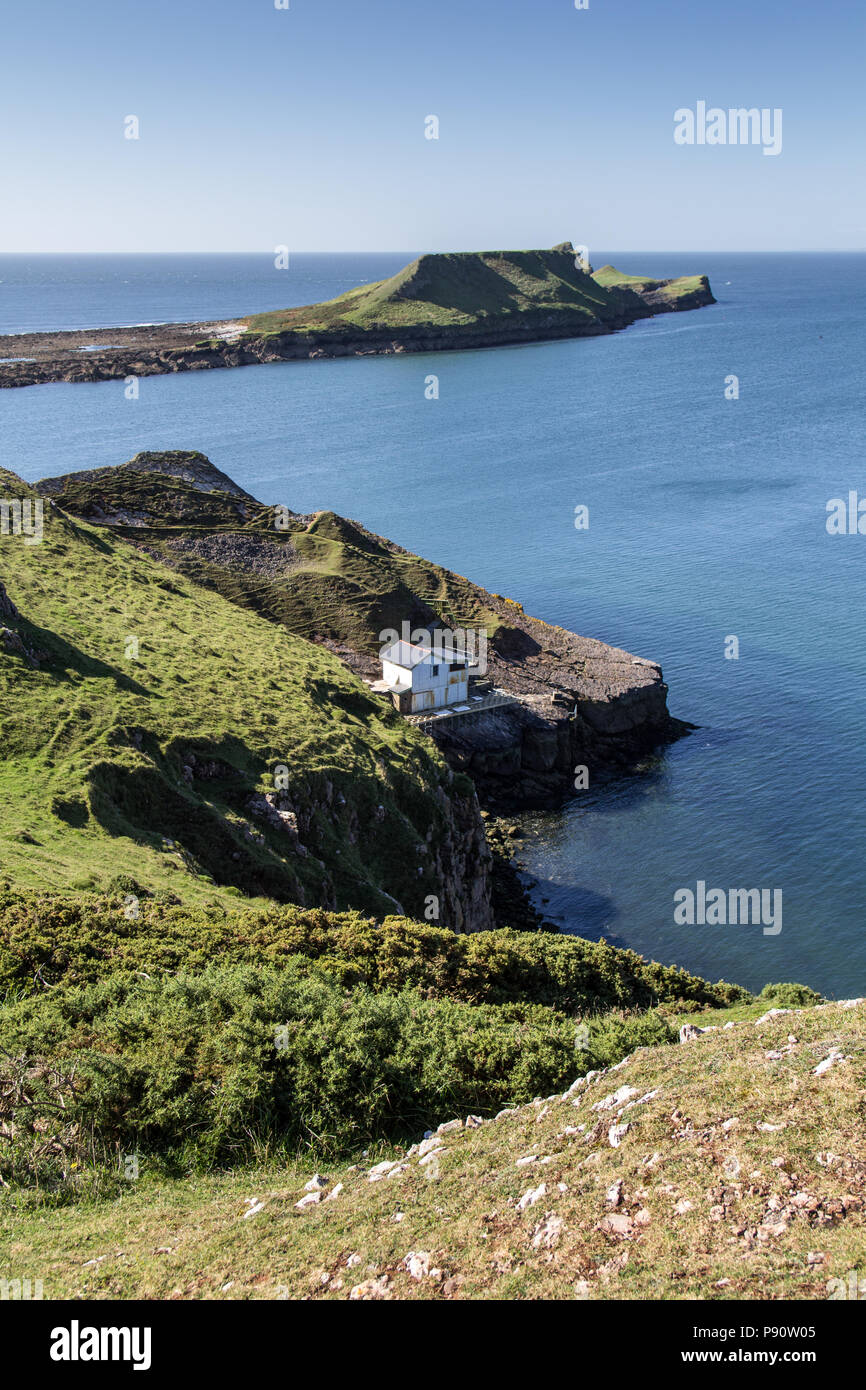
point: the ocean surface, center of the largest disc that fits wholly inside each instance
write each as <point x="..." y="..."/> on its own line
<point x="707" y="522"/>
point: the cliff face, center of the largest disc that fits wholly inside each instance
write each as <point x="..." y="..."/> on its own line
<point x="445" y="876"/>
<point x="528" y="754"/>
<point x="7" y="607"/>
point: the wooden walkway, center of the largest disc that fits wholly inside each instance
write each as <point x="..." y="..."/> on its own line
<point x="430" y="720"/>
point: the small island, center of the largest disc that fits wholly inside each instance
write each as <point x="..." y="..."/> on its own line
<point x="439" y="302"/>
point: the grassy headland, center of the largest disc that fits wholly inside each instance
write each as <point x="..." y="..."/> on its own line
<point x="438" y="302"/>
<point x="210" y="988"/>
<point x="145" y="720"/>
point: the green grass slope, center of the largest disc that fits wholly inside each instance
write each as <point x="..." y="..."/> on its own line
<point x="139" y="713"/>
<point x="738" y="1173"/>
<point x="458" y="289"/>
<point x="319" y="576"/>
<point x="479" y="293"/>
<point x="686" y="291"/>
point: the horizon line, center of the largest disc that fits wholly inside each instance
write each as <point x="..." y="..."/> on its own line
<point x="389" y="251"/>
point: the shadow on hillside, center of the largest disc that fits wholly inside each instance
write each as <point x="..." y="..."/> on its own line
<point x="60" y="658"/>
<point x="206" y="819"/>
<point x="462" y="285"/>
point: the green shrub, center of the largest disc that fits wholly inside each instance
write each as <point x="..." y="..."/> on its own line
<point x="215" y="1062"/>
<point x="789" y="996"/>
<point x="50" y="940"/>
<point x="614" y="1036"/>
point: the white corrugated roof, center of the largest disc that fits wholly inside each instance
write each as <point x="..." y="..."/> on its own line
<point x="408" y="654"/>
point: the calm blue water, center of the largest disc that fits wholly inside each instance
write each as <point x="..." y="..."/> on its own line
<point x="707" y="519"/>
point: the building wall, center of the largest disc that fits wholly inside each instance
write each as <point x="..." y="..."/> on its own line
<point x="395" y="675"/>
<point x="454" y="693"/>
<point x="428" y="691"/>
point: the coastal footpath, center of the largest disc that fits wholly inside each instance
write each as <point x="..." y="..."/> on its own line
<point x="439" y="302"/>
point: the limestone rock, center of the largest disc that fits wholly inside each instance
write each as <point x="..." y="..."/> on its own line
<point x="371" y="1290"/>
<point x="312" y="1199"/>
<point x="548" y="1232"/>
<point x="316" y="1181"/>
<point x="531" y="1196"/>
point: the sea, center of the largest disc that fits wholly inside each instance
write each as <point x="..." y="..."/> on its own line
<point x="706" y="446"/>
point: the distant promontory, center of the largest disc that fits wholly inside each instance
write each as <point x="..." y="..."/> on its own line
<point x="439" y="302"/>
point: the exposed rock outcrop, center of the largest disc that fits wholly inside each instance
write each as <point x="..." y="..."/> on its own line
<point x="187" y="464"/>
<point x="7" y="607"/>
<point x="11" y="640"/>
<point x="528" y="754"/>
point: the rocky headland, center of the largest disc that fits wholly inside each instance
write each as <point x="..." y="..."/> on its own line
<point x="577" y="701"/>
<point x="437" y="303"/>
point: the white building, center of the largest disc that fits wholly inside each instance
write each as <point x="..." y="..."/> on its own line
<point x="424" y="677"/>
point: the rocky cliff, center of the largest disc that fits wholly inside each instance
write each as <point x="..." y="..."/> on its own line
<point x="528" y="754"/>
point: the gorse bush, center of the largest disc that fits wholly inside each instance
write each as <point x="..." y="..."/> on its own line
<point x="320" y="1032"/>
<point x="50" y="940"/>
<point x="210" y="1066"/>
<point x="214" y="1061"/>
<point x="789" y="996"/>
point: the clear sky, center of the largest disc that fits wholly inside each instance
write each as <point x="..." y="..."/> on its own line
<point x="305" y="127"/>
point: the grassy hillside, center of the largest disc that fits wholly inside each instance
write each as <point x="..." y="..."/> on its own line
<point x="738" y="1173"/>
<point x="658" y="292"/>
<point x="139" y="713"/>
<point x="211" y="984"/>
<point x="456" y="289"/>
<point x="331" y="580"/>
<point x="318" y="576"/>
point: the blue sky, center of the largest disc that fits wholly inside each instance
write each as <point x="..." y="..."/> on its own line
<point x="305" y="127"/>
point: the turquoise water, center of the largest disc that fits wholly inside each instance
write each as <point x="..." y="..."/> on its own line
<point x="707" y="519"/>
